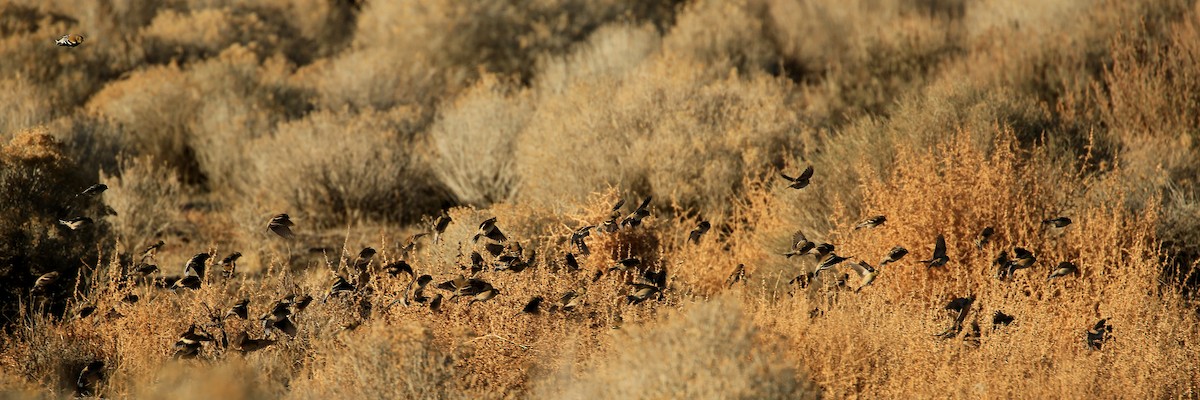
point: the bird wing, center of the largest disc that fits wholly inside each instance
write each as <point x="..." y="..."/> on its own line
<point x="785" y="176"/>
<point x="939" y="249"/>
<point x="798" y="238"/>
<point x="808" y="173"/>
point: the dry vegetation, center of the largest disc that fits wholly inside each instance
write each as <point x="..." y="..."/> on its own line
<point x="367" y="120"/>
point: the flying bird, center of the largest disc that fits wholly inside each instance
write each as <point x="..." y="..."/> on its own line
<point x="532" y="306"/>
<point x="1023" y="259"/>
<point x="939" y="254"/>
<point x="866" y="271"/>
<point x="800" y="245"/>
<point x="625" y="264"/>
<point x="984" y="236"/>
<point x="1000" y="318"/>
<point x="1063" y="269"/>
<point x="1099" y="333"/>
<point x="871" y="222"/>
<point x="75" y="223"/>
<point x="641" y="212"/>
<point x="799" y="182"/>
<point x="196" y="265"/>
<point x="1060" y="222"/>
<point x="893" y="255"/>
<point x="641" y="292"/>
<point x="70" y="40"/>
<point x="281" y="224"/>
<point x="439" y="227"/>
<point x="488" y="229"/>
<point x="241" y="309"/>
<point x="577" y="238"/>
<point x="572" y="263"/>
<point x="829" y="261"/>
<point x="151" y="250"/>
<point x="398" y="267"/>
<point x="700" y="230"/>
<point x="229" y="264"/>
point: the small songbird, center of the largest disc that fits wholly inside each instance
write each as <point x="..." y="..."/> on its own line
<point x="92" y="374"/>
<point x="700" y="230"/>
<point x="44" y="283"/>
<point x="484" y="295"/>
<point x="738" y="274"/>
<point x="1099" y="333"/>
<point x="411" y="244"/>
<point x="1000" y="318"/>
<point x="187" y="282"/>
<point x="866" y="271"/>
<point x="959" y="306"/>
<point x="229" y="264"/>
<point x="577" y="238"/>
<point x="241" y="309"/>
<point x="340" y="285"/>
<point x="1022" y="259"/>
<point x="144" y="270"/>
<point x="94" y="190"/>
<point x="641" y="212"/>
<point x="245" y="344"/>
<point x="625" y="264"/>
<point x="399" y="267"/>
<point x="435" y="305"/>
<point x="822" y="250"/>
<point x="829" y="261"/>
<point x="799" y="182"/>
<point x="488" y="229"/>
<point x="75" y="223"/>
<point x="532" y="307"/>
<point x="85" y="311"/>
<point x="641" y="292"/>
<point x="364" y="258"/>
<point x="150" y="250"/>
<point x="939" y="253"/>
<point x="439" y="227"/>
<point x="1063" y="269"/>
<point x="281" y="224"/>
<point x="279" y="317"/>
<point x="570" y="300"/>
<point x="572" y="263"/>
<point x="70" y="40"/>
<point x="196" y="265"/>
<point x="800" y="245"/>
<point x="1060" y="222"/>
<point x="984" y="236"/>
<point x="893" y="255"/>
<point x="871" y="222"/>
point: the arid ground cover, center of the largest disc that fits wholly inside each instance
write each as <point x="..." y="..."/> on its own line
<point x="570" y="199"/>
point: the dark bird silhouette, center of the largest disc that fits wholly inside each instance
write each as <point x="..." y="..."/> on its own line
<point x="196" y="265"/>
<point x="939" y="253"/>
<point x="495" y="249"/>
<point x="75" y="223"/>
<point x="800" y="245"/>
<point x="1000" y="318"/>
<point x="1063" y="269"/>
<point x="625" y="264"/>
<point x="959" y="306"/>
<point x="641" y="292"/>
<point x="1099" y="334"/>
<point x="893" y="255"/>
<point x="738" y="274"/>
<point x="577" y="239"/>
<point x="241" y="309"/>
<point x="871" y="222"/>
<point x="85" y="311"/>
<point x="279" y="317"/>
<point x="1022" y="259"/>
<point x="1060" y="222"/>
<point x="572" y="263"/>
<point x="93" y="373"/>
<point x="984" y="236"/>
<point x="641" y="212"/>
<point x="823" y="250"/>
<point x="484" y="295"/>
<point x="398" y="267"/>
<point x="799" y="182"/>
<point x="282" y="225"/>
<point x="94" y="190"/>
<point x="700" y="230"/>
<point x="435" y="305"/>
<point x="143" y="270"/>
<point x="187" y="282"/>
<point x="340" y="286"/>
<point x="488" y="229"/>
<point x="439" y="227"/>
<point x="190" y="341"/>
<point x="532" y="307"/>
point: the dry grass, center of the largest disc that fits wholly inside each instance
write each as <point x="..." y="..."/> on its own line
<point x="366" y="120"/>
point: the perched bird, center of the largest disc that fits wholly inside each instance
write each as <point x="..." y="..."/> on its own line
<point x="152" y="249"/>
<point x="44" y="283"/>
<point x="532" y="306"/>
<point x="829" y="261"/>
<point x="488" y="229"/>
<point x="196" y="265"/>
<point x="641" y="212"/>
<point x="94" y="190"/>
<point x="625" y="264"/>
<point x="1060" y="222"/>
<point x="75" y="223"/>
<point x="245" y="344"/>
<point x="71" y="40"/>
<point x="241" y="309"/>
<point x="865" y="271"/>
<point x="439" y="227"/>
<point x="92" y="374"/>
<point x="572" y="263"/>
<point x="939" y="254"/>
<point x="738" y="274"/>
<point x="893" y="255"/>
<point x="282" y="225"/>
<point x="700" y="230"/>
<point x="1099" y="333"/>
<point x="799" y="182"/>
<point x="577" y="238"/>
<point x="229" y="264"/>
<point x="984" y="236"/>
<point x="398" y="267"/>
<point x="800" y="245"/>
<point x="871" y="222"/>
<point x="1000" y="318"/>
<point x="1063" y="269"/>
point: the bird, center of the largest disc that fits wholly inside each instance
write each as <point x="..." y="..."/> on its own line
<point x="829" y="261"/>
<point x="70" y="40"/>
<point x="93" y="373"/>
<point x="893" y="255"/>
<point x="641" y="212"/>
<point x="418" y="293"/>
<point x="802" y="280"/>
<point x="1099" y="333"/>
<point x="611" y="225"/>
<point x="397" y="267"/>
<point x="488" y="229"/>
<point x="495" y="249"/>
<point x="279" y="317"/>
<point x="532" y="307"/>
<point x="187" y="282"/>
<point x="245" y="344"/>
<point x="572" y="263"/>
<point x="625" y="264"/>
<point x="196" y="265"/>
<point x="799" y="182"/>
<point x="1023" y="259"/>
<point x="939" y="254"/>
<point x="191" y="336"/>
<point x="229" y="264"/>
<point x="484" y="295"/>
<point x="411" y="244"/>
<point x="93" y="190"/>
<point x="152" y="249"/>
<point x="871" y="222"/>
<point x="570" y="300"/>
<point x="960" y="306"/>
<point x="85" y="311"/>
<point x="866" y="271"/>
<point x="364" y="258"/>
<point x="44" y="283"/>
<point x="282" y="225"/>
<point x="641" y="292"/>
<point x="738" y="274"/>
<point x="700" y="230"/>
<point x="144" y="270"/>
<point x="1000" y="318"/>
<point x="300" y="304"/>
<point x="984" y="236"/>
<point x="439" y="227"/>
<point x="1001" y="263"/>
<point x="1059" y="222"/>
<point x="800" y="245"/>
<point x="340" y="285"/>
<point x="1063" y="269"/>
<point x="75" y="223"/>
<point x="822" y="250"/>
<point x="435" y="305"/>
<point x="578" y="236"/>
<point x="240" y="309"/>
